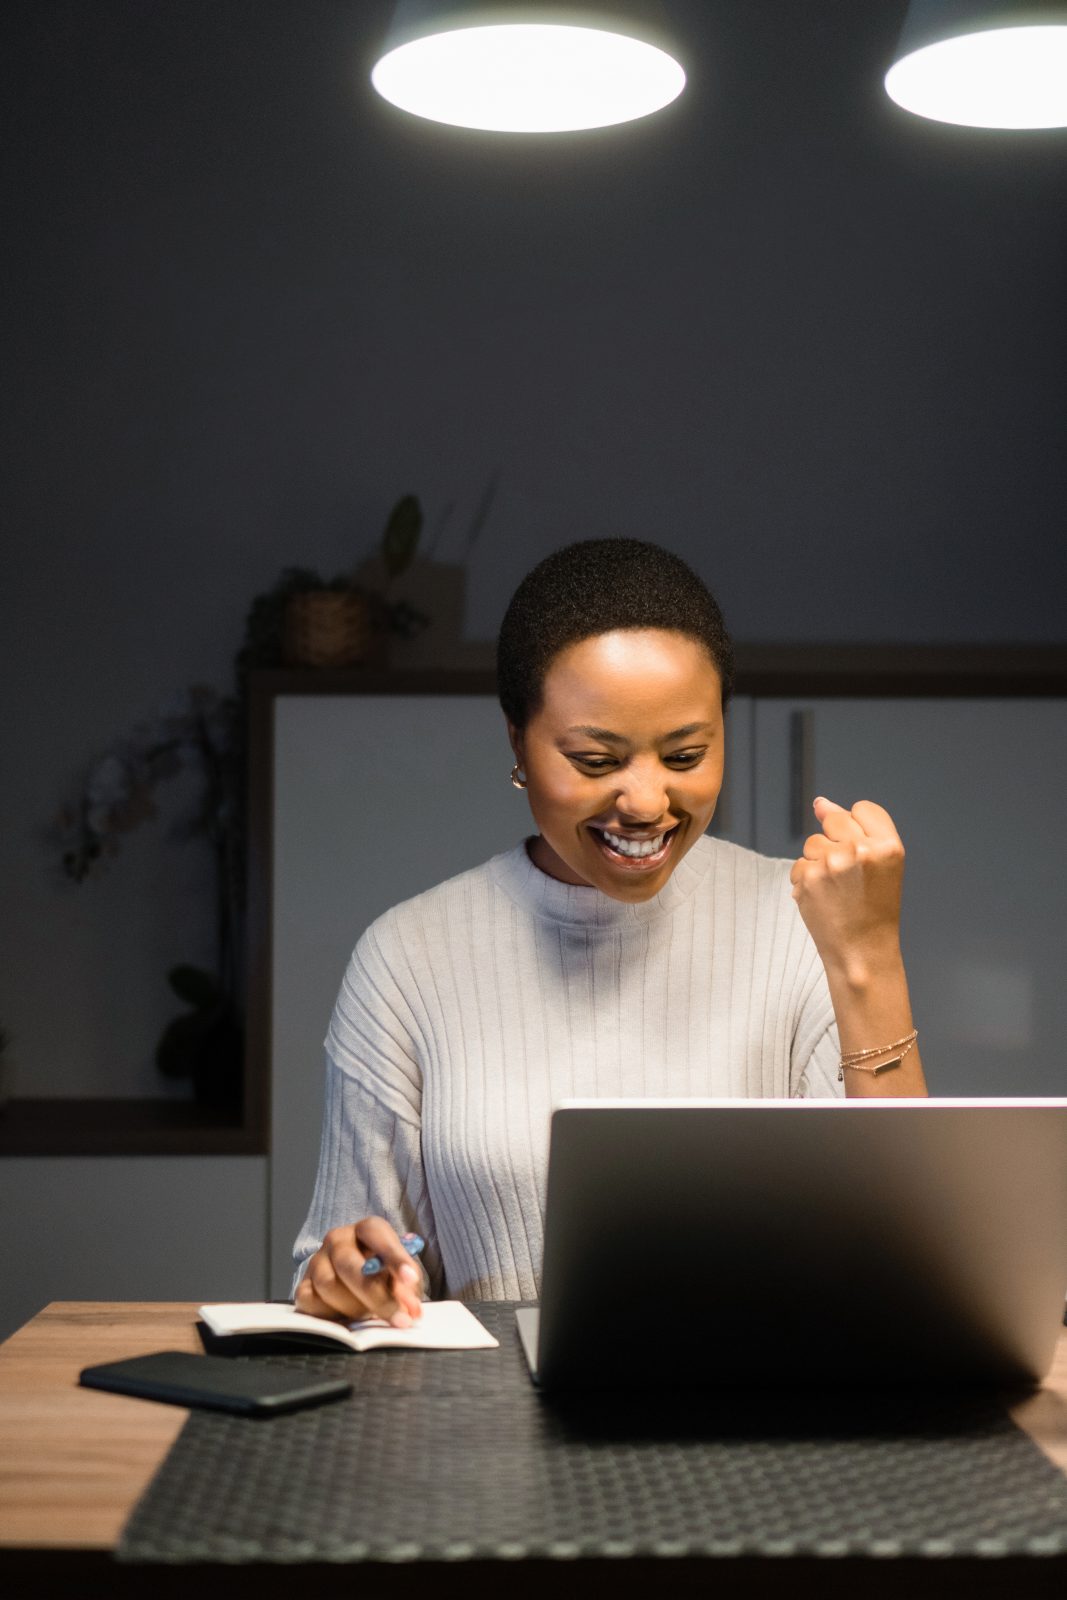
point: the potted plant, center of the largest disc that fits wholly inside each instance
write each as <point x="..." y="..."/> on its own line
<point x="343" y="623"/>
<point x="301" y="620"/>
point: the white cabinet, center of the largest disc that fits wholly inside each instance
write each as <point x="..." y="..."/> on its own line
<point x="130" y="1228"/>
<point x="375" y="798"/>
<point x="976" y="788"/>
<point x="363" y="817"/>
<point x="734" y="815"/>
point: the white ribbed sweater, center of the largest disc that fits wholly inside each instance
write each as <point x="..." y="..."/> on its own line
<point x="468" y="1011"/>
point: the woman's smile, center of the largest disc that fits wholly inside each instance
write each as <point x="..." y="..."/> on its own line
<point x="635" y="852"/>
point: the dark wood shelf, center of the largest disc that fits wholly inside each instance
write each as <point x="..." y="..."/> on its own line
<point x="121" y="1128"/>
<point x="901" y="671"/>
<point x="788" y="671"/>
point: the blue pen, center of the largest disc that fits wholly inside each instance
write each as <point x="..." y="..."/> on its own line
<point x="412" y="1244"/>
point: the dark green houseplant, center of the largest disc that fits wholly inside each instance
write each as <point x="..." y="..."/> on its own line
<point x="206" y="733"/>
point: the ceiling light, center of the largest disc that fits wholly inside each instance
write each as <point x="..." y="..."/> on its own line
<point x="526" y="68"/>
<point x="998" y="64"/>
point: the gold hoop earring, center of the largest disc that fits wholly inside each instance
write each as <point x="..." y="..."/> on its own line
<point x="520" y="783"/>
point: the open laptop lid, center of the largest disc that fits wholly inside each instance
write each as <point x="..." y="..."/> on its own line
<point x="708" y="1241"/>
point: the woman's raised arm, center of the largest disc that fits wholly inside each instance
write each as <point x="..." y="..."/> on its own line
<point x="848" y="885"/>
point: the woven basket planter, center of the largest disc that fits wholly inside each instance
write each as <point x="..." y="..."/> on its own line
<point x="329" y="628"/>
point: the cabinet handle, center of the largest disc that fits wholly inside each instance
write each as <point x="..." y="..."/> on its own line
<point x="801" y="770"/>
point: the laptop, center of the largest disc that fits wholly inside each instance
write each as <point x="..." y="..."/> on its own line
<point x="701" y="1243"/>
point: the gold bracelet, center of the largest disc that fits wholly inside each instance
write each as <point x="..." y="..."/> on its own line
<point x="848" y="1056"/>
<point x="856" y="1060"/>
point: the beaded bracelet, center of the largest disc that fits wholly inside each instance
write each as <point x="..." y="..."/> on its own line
<point x="856" y="1060"/>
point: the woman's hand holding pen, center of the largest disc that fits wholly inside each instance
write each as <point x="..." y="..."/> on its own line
<point x="364" y="1269"/>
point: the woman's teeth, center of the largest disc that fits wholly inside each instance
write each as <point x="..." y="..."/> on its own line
<point x="632" y="847"/>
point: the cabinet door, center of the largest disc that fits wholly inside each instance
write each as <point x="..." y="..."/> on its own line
<point x="976" y="790"/>
<point x="733" y="817"/>
<point x="363" y="818"/>
<point x="376" y="797"/>
<point x="130" y="1228"/>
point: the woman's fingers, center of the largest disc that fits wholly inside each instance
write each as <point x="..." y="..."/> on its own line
<point x="398" y="1277"/>
<point x="866" y="833"/>
<point x="864" y="838"/>
<point x="319" y="1294"/>
<point x="306" y="1300"/>
<point x="335" y="1284"/>
<point x="837" y="823"/>
<point x="875" y="821"/>
<point x="866" y="821"/>
<point x="847" y="882"/>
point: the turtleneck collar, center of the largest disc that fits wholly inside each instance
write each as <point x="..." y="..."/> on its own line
<point x="581" y="905"/>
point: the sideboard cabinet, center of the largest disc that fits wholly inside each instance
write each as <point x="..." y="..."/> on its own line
<point x="375" y="796"/>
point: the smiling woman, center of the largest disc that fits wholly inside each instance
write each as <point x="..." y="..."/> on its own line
<point x="618" y="951"/>
<point x="620" y="799"/>
<point x="614" y="668"/>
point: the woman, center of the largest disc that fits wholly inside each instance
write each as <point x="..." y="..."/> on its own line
<point x="620" y="951"/>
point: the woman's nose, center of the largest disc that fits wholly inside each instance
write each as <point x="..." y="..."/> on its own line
<point x="642" y="797"/>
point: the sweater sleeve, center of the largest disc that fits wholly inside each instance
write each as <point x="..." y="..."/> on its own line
<point x="370" y="1154"/>
<point x="816" y="1051"/>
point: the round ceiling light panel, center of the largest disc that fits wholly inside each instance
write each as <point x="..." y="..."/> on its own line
<point x="998" y="78"/>
<point x="529" y="77"/>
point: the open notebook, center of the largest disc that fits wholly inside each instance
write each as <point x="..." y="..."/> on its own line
<point x="444" y="1325"/>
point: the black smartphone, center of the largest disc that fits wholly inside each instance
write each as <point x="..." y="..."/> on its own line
<point x="249" y="1388"/>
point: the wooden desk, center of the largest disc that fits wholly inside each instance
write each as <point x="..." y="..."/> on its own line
<point x="73" y="1462"/>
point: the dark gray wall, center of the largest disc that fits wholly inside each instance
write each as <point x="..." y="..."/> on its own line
<point x="812" y="343"/>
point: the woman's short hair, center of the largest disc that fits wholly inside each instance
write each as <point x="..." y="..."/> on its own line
<point x="598" y="586"/>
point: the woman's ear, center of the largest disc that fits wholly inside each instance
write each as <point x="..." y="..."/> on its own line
<point x="515" y="740"/>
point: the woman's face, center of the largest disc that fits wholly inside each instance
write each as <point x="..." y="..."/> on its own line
<point x="625" y="751"/>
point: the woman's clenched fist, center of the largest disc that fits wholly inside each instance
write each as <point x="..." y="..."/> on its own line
<point x="848" y="884"/>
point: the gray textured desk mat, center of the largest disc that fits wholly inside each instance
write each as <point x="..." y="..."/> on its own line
<point x="453" y="1456"/>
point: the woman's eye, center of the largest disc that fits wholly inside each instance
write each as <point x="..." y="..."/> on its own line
<point x="680" y="760"/>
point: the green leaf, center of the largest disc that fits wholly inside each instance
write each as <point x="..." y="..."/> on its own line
<point x="194" y="986"/>
<point x="179" y="1048"/>
<point x="401" y="536"/>
<point x="198" y="1040"/>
